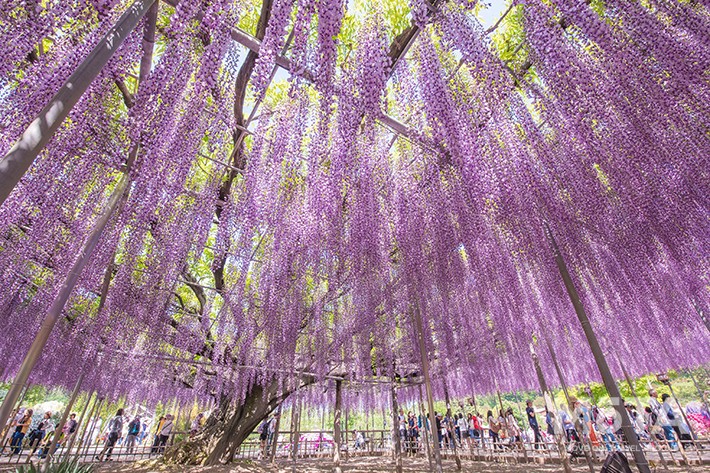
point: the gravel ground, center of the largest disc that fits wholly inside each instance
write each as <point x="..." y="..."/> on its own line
<point x="357" y="465"/>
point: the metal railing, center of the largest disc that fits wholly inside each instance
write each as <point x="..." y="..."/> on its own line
<point x="84" y="450"/>
<point x="312" y="444"/>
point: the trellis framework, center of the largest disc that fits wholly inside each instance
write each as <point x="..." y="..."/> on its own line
<point x="459" y="227"/>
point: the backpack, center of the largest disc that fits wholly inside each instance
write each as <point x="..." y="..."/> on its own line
<point x="671" y="415"/>
<point x="134" y="428"/>
<point x="616" y="462"/>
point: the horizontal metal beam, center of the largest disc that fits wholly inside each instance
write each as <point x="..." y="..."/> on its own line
<point x="253" y="44"/>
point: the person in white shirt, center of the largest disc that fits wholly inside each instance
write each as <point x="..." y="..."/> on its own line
<point x="44" y="429"/>
<point x="604" y="428"/>
<point x="461" y="428"/>
<point x="513" y="428"/>
<point x="115" y="432"/>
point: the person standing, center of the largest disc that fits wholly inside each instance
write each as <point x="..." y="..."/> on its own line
<point x="681" y="430"/>
<point x="68" y="430"/>
<point x="43" y="429"/>
<point x="144" y="431"/>
<point x="196" y="424"/>
<point x="359" y="440"/>
<point x="412" y="433"/>
<point x="439" y="430"/>
<point x="21" y="425"/>
<point x="154" y="448"/>
<point x="134" y="428"/>
<point x="164" y="433"/>
<point x="532" y="420"/>
<point x="478" y="427"/>
<point x="272" y="432"/>
<point x="115" y="430"/>
<point x="494" y="427"/>
<point x="461" y="428"/>
<point x="513" y="428"/>
<point x="605" y="429"/>
<point x="263" y="431"/>
<point x="662" y="418"/>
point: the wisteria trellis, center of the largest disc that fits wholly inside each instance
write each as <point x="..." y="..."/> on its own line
<point x="334" y="229"/>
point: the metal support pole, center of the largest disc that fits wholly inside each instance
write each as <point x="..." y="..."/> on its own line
<point x="396" y="440"/>
<point x="614" y="394"/>
<point x="297" y="405"/>
<point x="424" y="429"/>
<point x="703" y="399"/>
<point x="345" y="433"/>
<point x="561" y="377"/>
<point x="682" y="412"/>
<point x="427" y="383"/>
<point x="639" y="406"/>
<point x="55" y="310"/>
<point x="19" y="159"/>
<point x="96" y="410"/>
<point x="547" y="394"/>
<point x="336" y="425"/>
<point x="80" y="424"/>
<point x="62" y="421"/>
<point x="451" y="428"/>
<point x="275" y="439"/>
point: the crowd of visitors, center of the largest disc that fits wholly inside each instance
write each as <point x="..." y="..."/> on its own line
<point x="661" y="424"/>
<point x="583" y="425"/>
<point x="33" y="434"/>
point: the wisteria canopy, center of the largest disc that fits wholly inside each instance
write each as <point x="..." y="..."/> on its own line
<point x="289" y="182"/>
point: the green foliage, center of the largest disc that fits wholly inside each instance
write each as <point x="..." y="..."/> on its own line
<point x="509" y="41"/>
<point x="63" y="467"/>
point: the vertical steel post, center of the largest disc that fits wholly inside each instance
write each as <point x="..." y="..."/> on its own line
<point x="629" y="433"/>
<point x="396" y="440"/>
<point x="639" y="406"/>
<point x="682" y="412"/>
<point x="55" y="310"/>
<point x="38" y="133"/>
<point x="275" y="439"/>
<point x="547" y="394"/>
<point x="419" y="327"/>
<point x="63" y="420"/>
<point x="80" y="424"/>
<point x="425" y="434"/>
<point x="451" y="428"/>
<point x="336" y="425"/>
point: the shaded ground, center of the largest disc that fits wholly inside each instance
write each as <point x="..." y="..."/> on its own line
<point x="359" y="465"/>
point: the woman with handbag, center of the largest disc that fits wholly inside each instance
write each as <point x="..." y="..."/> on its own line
<point x="494" y="427"/>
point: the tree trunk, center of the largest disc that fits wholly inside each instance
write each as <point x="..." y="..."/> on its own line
<point x="231" y="424"/>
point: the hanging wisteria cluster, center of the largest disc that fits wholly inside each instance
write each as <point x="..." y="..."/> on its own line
<point x="339" y="232"/>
